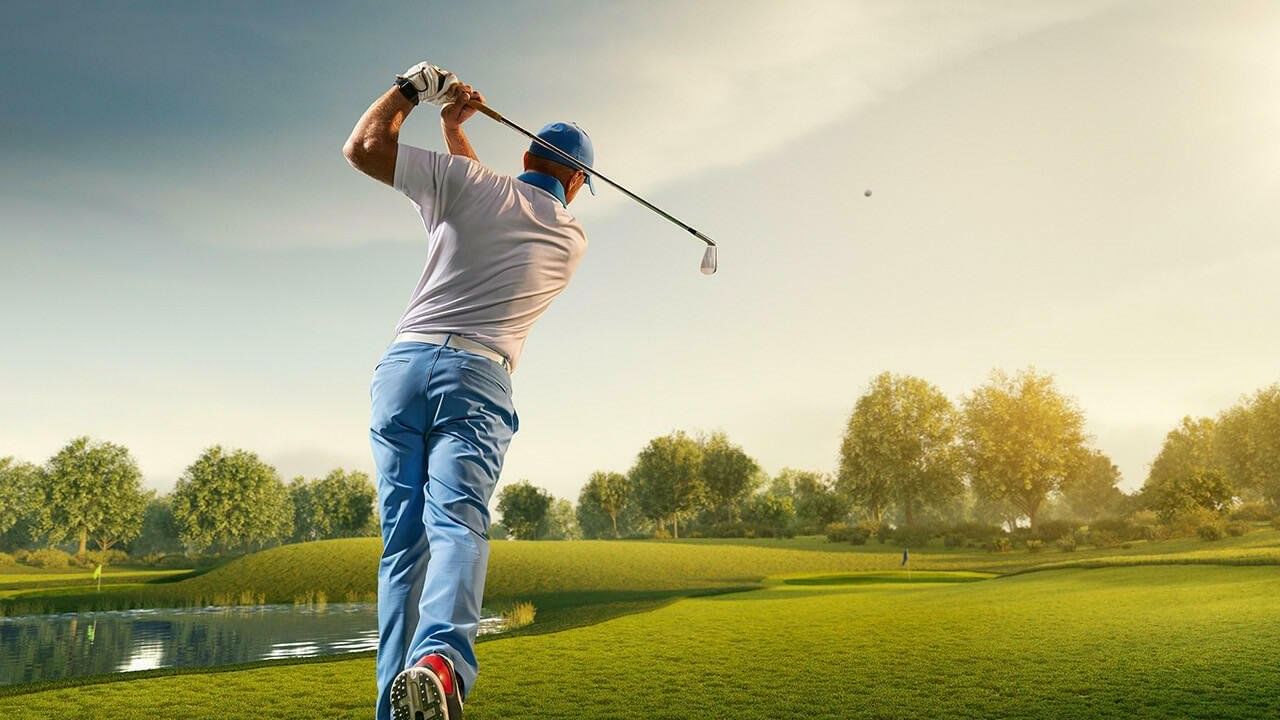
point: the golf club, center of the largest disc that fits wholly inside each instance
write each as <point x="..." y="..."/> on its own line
<point x="709" y="260"/>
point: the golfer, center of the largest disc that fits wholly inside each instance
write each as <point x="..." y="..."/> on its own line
<point x="499" y="250"/>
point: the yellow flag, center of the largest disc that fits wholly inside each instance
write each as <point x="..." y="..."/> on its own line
<point x="97" y="572"/>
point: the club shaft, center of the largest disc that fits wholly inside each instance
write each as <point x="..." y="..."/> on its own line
<point x="575" y="163"/>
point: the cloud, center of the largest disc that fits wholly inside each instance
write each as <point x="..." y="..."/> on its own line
<point x="668" y="92"/>
<point x="701" y="92"/>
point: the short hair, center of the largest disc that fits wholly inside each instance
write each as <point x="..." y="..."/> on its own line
<point x="547" y="166"/>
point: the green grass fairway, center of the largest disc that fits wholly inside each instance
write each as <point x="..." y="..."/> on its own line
<point x="30" y="580"/>
<point x="10" y="580"/>
<point x="552" y="574"/>
<point x="1186" y="641"/>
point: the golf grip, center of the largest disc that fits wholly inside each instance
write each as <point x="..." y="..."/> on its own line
<point x="574" y="162"/>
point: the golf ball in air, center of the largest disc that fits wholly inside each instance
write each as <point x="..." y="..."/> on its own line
<point x="867" y="193"/>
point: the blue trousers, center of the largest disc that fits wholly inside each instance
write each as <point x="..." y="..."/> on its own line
<point x="442" y="420"/>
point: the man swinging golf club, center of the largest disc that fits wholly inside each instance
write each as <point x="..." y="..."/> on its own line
<point x="499" y="250"/>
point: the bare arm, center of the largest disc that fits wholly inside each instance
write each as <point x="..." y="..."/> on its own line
<point x="453" y="115"/>
<point x="457" y="141"/>
<point x="375" y="139"/>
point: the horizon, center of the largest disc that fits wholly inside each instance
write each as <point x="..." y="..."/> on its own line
<point x="190" y="268"/>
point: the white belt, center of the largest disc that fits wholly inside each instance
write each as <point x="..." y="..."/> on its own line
<point x="457" y="342"/>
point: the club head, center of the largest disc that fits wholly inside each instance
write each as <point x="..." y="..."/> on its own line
<point x="709" y="261"/>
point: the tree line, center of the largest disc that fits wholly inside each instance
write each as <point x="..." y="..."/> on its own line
<point x="89" y="495"/>
<point x="1013" y="453"/>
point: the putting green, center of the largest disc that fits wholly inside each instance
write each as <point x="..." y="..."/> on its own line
<point x="1152" y="641"/>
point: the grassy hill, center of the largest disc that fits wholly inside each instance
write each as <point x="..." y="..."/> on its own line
<point x="553" y="574"/>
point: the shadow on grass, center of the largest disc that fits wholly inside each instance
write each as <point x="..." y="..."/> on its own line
<point x="565" y="611"/>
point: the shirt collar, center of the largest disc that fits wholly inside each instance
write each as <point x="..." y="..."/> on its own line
<point x="542" y="181"/>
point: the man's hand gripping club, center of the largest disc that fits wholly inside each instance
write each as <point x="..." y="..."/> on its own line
<point x="375" y="140"/>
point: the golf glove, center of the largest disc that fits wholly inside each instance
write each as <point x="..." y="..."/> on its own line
<point x="427" y="83"/>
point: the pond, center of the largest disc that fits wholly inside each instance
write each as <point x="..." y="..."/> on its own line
<point x="51" y="647"/>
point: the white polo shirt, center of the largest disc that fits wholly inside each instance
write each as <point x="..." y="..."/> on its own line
<point x="499" y="250"/>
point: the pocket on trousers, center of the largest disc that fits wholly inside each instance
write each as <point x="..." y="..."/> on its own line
<point x="490" y="371"/>
<point x="389" y="362"/>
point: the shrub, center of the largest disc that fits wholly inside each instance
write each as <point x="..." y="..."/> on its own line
<point x="1103" y="538"/>
<point x="869" y="528"/>
<point x="1236" y="529"/>
<point x="970" y="534"/>
<point x="1000" y="545"/>
<point x="1051" y="530"/>
<point x="7" y="560"/>
<point x="1144" y="524"/>
<point x="1034" y="545"/>
<point x="1067" y="543"/>
<point x="21" y="555"/>
<point x="174" y="560"/>
<point x="884" y="533"/>
<point x="49" y="558"/>
<point x="1251" y="512"/>
<point x="840" y="532"/>
<point x="94" y="558"/>
<point x="913" y="537"/>
<point x="1188" y="522"/>
<point x="731" y="530"/>
<point x="1120" y="528"/>
<point x="1211" y="531"/>
<point x="1020" y="534"/>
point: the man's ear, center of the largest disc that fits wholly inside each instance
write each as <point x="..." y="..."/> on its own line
<point x="528" y="159"/>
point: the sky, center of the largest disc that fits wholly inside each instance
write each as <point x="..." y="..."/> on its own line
<point x="1088" y="188"/>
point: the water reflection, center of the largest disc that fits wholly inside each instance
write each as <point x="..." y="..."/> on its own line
<point x="49" y="647"/>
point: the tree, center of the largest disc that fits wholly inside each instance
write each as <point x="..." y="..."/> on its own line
<point x="1264" y="437"/>
<point x="1200" y="488"/>
<point x="19" y="492"/>
<point x="299" y="489"/>
<point x="524" y="508"/>
<point x="231" y="500"/>
<point x="92" y="489"/>
<point x="667" y="478"/>
<point x="1186" y="473"/>
<point x="341" y="504"/>
<point x="159" y="529"/>
<point x="769" y="513"/>
<point x="899" y="449"/>
<point x="728" y="474"/>
<point x="1247" y="445"/>
<point x="605" y="493"/>
<point x="1022" y="439"/>
<point x="1092" y="491"/>
<point x="561" y="523"/>
<point x="817" y="504"/>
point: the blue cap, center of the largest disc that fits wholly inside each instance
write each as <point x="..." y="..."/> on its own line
<point x="572" y="140"/>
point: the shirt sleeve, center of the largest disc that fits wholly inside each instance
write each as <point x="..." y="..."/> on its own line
<point x="431" y="180"/>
